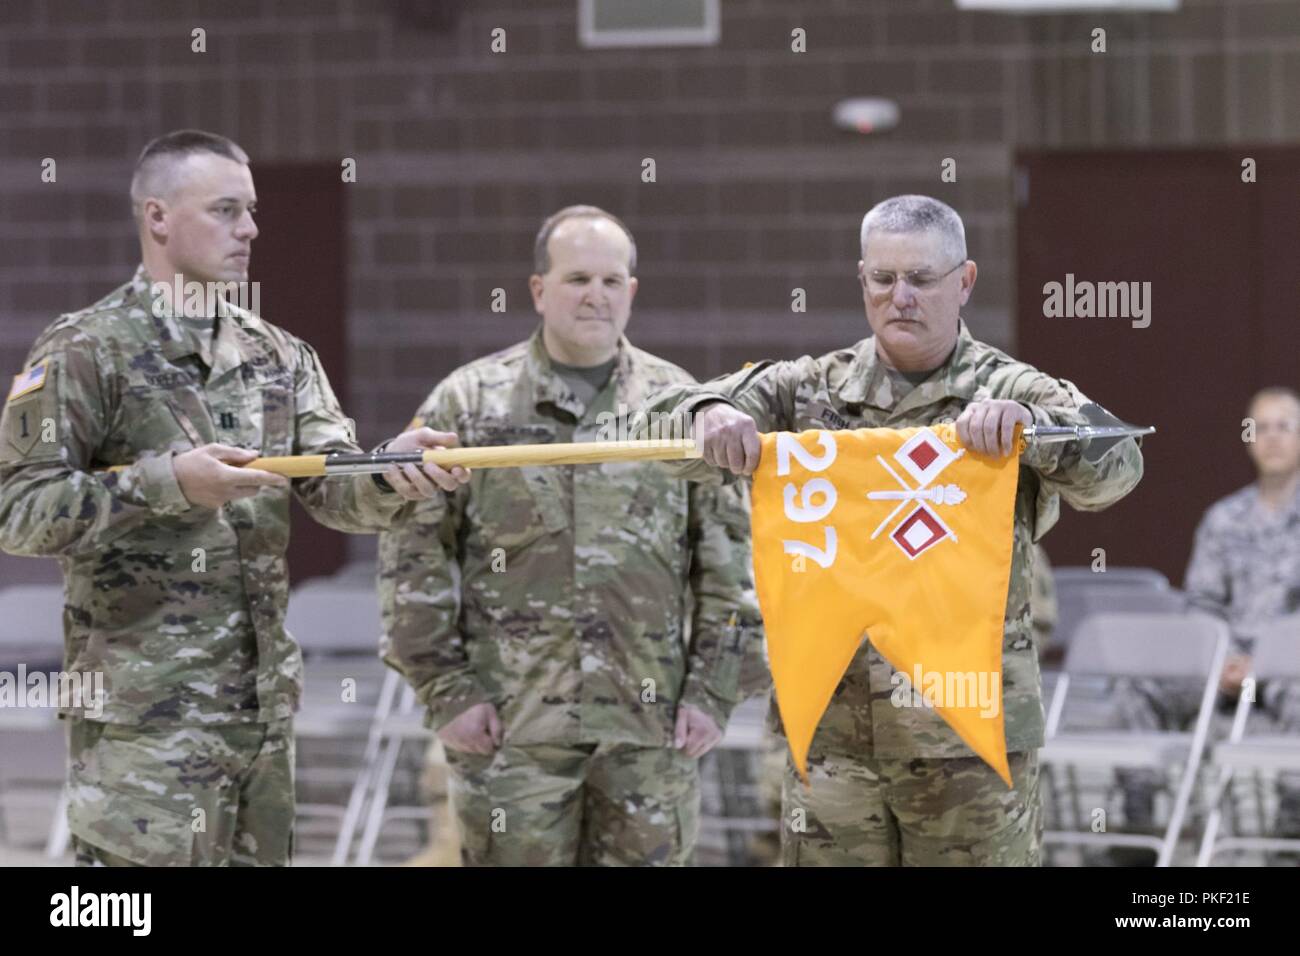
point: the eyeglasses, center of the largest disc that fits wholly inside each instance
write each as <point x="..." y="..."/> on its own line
<point x="922" y="280"/>
<point x="1282" y="428"/>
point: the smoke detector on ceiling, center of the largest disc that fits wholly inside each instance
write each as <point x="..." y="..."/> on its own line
<point x="866" y="114"/>
<point x="1068" y="6"/>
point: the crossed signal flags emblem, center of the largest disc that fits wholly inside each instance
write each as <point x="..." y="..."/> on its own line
<point x="923" y="456"/>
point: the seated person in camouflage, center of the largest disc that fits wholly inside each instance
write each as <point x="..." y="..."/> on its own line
<point x="542" y="614"/>
<point x="896" y="786"/>
<point x="1043" y="610"/>
<point x="174" y="565"/>
<point x="1245" y="569"/>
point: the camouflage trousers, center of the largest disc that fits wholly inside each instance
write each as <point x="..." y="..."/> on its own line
<point x="771" y="782"/>
<point x="1173" y="706"/>
<point x="220" y="795"/>
<point x="859" y="811"/>
<point x="583" y="805"/>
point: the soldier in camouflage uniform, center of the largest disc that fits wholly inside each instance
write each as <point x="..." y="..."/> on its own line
<point x="542" y="613"/>
<point x="1042" y="599"/>
<point x="893" y="785"/>
<point x="174" y="567"/>
<point x="1244" y="569"/>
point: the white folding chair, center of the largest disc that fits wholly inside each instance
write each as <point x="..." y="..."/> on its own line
<point x="1155" y="646"/>
<point x="398" y="720"/>
<point x="1276" y="657"/>
<point x="31" y="637"/>
<point x="338" y="627"/>
<point x="729" y="775"/>
<point x="359" y="794"/>
<point x="354" y="574"/>
<point x="1082" y="592"/>
<point x="1072" y="575"/>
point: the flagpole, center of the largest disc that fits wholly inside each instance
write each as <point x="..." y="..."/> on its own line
<point x="581" y="453"/>
<point x="492" y="456"/>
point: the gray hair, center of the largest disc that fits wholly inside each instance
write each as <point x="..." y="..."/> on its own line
<point x="542" y="255"/>
<point x="917" y="214"/>
<point x="155" y="170"/>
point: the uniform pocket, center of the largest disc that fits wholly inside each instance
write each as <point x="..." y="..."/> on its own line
<point x="724" y="676"/>
<point x="656" y="514"/>
<point x="274" y="407"/>
<point x="1018" y="841"/>
<point x="158" y="421"/>
<point x="503" y="512"/>
<point x="472" y="805"/>
<point x="1016" y="844"/>
<point x="512" y="507"/>
<point x="688" y="832"/>
<point x="134" y="829"/>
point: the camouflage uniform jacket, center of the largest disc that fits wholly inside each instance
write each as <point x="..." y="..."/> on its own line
<point x="181" y="608"/>
<point x="1043" y="610"/>
<point x="1245" y="564"/>
<point x="850" y="388"/>
<point x="562" y="594"/>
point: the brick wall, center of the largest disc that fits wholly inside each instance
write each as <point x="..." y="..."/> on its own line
<point x="461" y="151"/>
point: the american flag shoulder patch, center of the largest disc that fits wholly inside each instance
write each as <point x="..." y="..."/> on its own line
<point x="29" y="381"/>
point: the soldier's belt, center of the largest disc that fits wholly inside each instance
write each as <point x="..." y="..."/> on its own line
<point x="494" y="456"/>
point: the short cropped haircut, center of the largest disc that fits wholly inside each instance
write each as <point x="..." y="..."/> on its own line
<point x="542" y="255"/>
<point x="153" y="169"/>
<point x="917" y="214"/>
<point x="1275" y="391"/>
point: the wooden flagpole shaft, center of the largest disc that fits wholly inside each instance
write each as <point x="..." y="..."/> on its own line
<point x="492" y="456"/>
<point x="572" y="453"/>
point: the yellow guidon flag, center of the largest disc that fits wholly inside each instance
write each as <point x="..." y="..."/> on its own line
<point x="899" y="534"/>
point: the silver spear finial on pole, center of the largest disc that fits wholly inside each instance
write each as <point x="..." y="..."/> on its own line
<point x="1101" y="425"/>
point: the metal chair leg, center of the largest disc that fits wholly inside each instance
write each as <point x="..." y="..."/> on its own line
<point x="57" y="842"/>
<point x="357" y="798"/>
<point x="1218" y="795"/>
<point x="378" y="800"/>
<point x="352" y="815"/>
<point x="1076" y="808"/>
